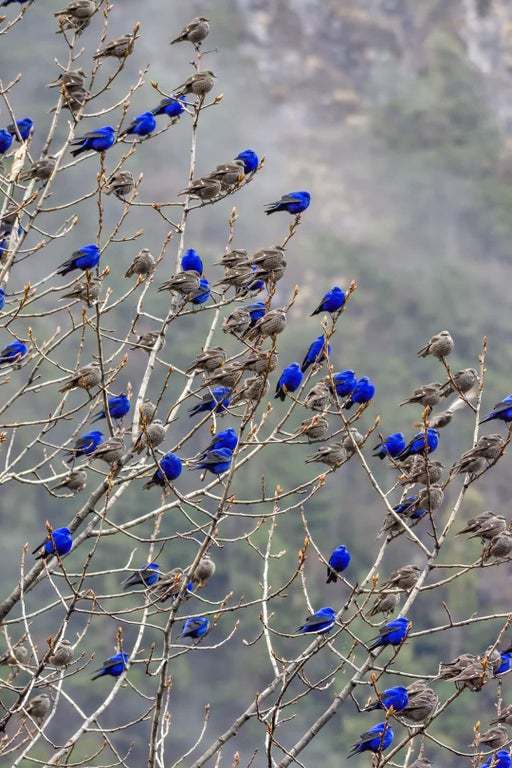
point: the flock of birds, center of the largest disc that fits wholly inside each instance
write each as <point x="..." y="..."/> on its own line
<point x="226" y="386"/>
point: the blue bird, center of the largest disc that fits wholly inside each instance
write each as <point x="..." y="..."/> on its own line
<point x="2" y="298"/>
<point x="98" y="141"/>
<point x="25" y="127"/>
<point x="319" y="622"/>
<point x="170" y="106"/>
<point x="362" y="393"/>
<point x="405" y="505"/>
<point x="392" y="633"/>
<point x="191" y="262"/>
<point x="417" y="444"/>
<point x="255" y="286"/>
<point x="293" y="202"/>
<point x="256" y="311"/>
<point x="204" y="295"/>
<point x="6" y="139"/>
<point x="249" y="159"/>
<point x="228" y="438"/>
<point x="397" y="697"/>
<point x="87" y="257"/>
<point x="196" y="627"/>
<point x="500" y="759"/>
<point x="289" y="380"/>
<point x="502" y="411"/>
<point x="392" y="445"/>
<point x="115" y="666"/>
<point x="142" y="125"/>
<point x="333" y="300"/>
<point x="376" y="739"/>
<point x="8" y="2"/>
<point x="506" y="663"/>
<point x="118" y="407"/>
<point x="344" y="382"/>
<point x="13" y="353"/>
<point x="169" y="469"/>
<point x="147" y="576"/>
<point x="86" y="444"/>
<point x="339" y="560"/>
<point x="216" y="461"/>
<point x="217" y="400"/>
<point x="58" y="542"/>
<point x="316" y="353"/>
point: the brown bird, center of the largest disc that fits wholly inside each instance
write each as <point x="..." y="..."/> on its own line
<point x="120" y="184"/>
<point x="440" y="346"/>
<point x="87" y="377"/>
<point x="119" y="48"/>
<point x="195" y="32"/>
<point x="143" y="264"/>
<point x="199" y="84"/>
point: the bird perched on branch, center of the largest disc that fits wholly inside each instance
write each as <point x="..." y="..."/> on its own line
<point x="362" y="393"/>
<point x="228" y="174"/>
<point x="185" y="283"/>
<point x="119" y="48"/>
<point x="422" y="702"/>
<point x="195" y="32"/>
<point x="293" y="202"/>
<point x="39" y="707"/>
<point x="110" y="451"/>
<point x="217" y="461"/>
<point x="426" y="395"/>
<point x="332" y="301"/>
<point x="418" y="469"/>
<point x="376" y="739"/>
<point x="13" y="353"/>
<point x="462" y="382"/>
<point x="502" y="411"/>
<point x="118" y="407"/>
<point x="404" y="577"/>
<point x="318" y="397"/>
<point x="289" y="380"/>
<point x="86" y="444"/>
<point x="199" y="84"/>
<point x="87" y="377"/>
<point x="397" y="697"/>
<point x="422" y="442"/>
<point x="217" y="400"/>
<point x="169" y="469"/>
<point x="97" y="141"/>
<point x="62" y="655"/>
<point x="172" y="106"/>
<point x="120" y="184"/>
<point x="208" y="360"/>
<point x="204" y="571"/>
<point x="338" y="562"/>
<point x="147" y="576"/>
<point x="494" y="738"/>
<point x="392" y="445"/>
<point x="22" y="128"/>
<point x="205" y="189"/>
<point x="58" y="542"/>
<point x="250" y="160"/>
<point x="192" y="262"/>
<point x="196" y="627"/>
<point x="6" y="139"/>
<point x="113" y="667"/>
<point x="319" y="622"/>
<point x="318" y="351"/>
<point x="385" y="603"/>
<point x="41" y="170"/>
<point x="486" y="526"/>
<point x="151" y="437"/>
<point x="440" y="346"/>
<point x="142" y="265"/>
<point x="344" y="382"/>
<point x="316" y="428"/>
<point x="76" y="15"/>
<point x="142" y="125"/>
<point x="393" y="633"/>
<point x="74" y="482"/>
<point x="333" y="455"/>
<point x="271" y="324"/>
<point x="146" y="341"/>
<point x="227" y="376"/>
<point x="86" y="257"/>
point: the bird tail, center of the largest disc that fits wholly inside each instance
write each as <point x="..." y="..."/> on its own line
<point x="65" y="268"/>
<point x="149" y="484"/>
<point x="131" y="581"/>
<point x="354" y="751"/>
<point x="281" y="394"/>
<point x="78" y="151"/>
<point x="98" y="417"/>
<point x="305" y="365"/>
<point x="374" y="643"/>
<point x="178" y="39"/>
<point x="348" y="405"/>
<point x="317" y="311"/>
<point x="490" y="417"/>
<point x="310" y="460"/>
<point x="332" y="576"/>
<point x="272" y="208"/>
<point x="99" y="673"/>
<point x="380" y="452"/>
<point x="371" y="707"/>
